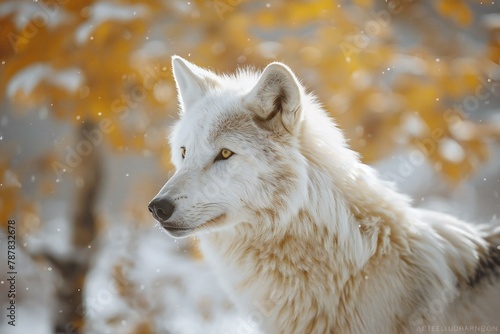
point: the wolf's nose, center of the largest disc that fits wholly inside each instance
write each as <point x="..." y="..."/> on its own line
<point x="161" y="208"/>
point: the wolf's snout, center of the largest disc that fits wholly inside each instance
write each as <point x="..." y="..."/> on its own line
<point x="161" y="208"/>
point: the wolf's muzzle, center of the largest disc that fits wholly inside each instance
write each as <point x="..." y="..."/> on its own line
<point x="161" y="209"/>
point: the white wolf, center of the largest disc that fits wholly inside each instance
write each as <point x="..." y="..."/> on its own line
<point x="306" y="237"/>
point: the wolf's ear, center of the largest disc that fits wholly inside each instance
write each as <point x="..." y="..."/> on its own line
<point x="192" y="81"/>
<point x="276" y="98"/>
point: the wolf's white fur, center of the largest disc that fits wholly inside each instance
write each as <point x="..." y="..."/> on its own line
<point x="306" y="237"/>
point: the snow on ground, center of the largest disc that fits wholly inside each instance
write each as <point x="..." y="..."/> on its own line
<point x="34" y="289"/>
<point x="166" y="287"/>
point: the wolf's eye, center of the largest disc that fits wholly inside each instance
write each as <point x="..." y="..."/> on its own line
<point x="224" y="154"/>
<point x="183" y="152"/>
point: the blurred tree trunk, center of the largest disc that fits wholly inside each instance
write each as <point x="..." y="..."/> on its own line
<point x="69" y="317"/>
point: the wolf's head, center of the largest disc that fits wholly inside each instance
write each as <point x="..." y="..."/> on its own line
<point x="235" y="150"/>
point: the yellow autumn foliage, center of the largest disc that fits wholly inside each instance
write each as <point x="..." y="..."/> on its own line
<point x="351" y="55"/>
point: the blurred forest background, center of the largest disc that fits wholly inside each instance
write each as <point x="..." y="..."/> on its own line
<point x="88" y="98"/>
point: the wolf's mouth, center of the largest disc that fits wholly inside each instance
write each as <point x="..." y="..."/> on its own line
<point x="175" y="228"/>
<point x="176" y="231"/>
<point x="182" y="231"/>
